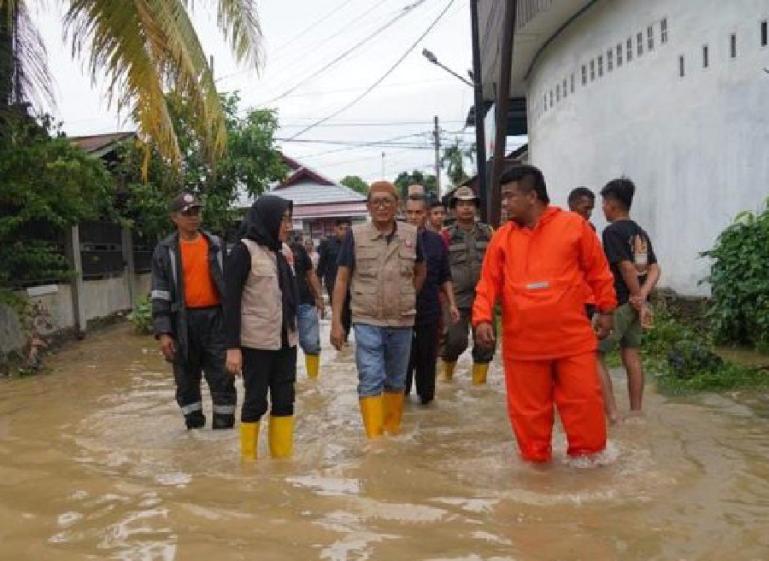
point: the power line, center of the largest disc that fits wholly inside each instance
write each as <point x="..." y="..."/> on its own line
<point x="299" y="36"/>
<point x="313" y="25"/>
<point x="371" y="124"/>
<point x="381" y="29"/>
<point x="382" y="78"/>
<point x="364" y="145"/>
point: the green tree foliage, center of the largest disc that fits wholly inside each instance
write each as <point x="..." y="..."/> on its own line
<point x="250" y="164"/>
<point x="46" y="185"/>
<point x="739" y="277"/>
<point x="453" y="160"/>
<point x="405" y="179"/>
<point x="355" y="183"/>
<point x="140" y="48"/>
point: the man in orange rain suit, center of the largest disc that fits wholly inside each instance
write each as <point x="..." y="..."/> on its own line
<point x="538" y="264"/>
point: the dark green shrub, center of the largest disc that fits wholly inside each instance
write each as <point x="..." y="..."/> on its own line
<point x="739" y="277"/>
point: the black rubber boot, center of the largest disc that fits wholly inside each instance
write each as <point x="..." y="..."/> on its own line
<point x="195" y="420"/>
<point x="223" y="422"/>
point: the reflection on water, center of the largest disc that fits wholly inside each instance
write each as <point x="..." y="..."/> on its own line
<point x="95" y="464"/>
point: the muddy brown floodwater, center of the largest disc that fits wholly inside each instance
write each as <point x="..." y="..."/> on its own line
<point x="95" y="464"/>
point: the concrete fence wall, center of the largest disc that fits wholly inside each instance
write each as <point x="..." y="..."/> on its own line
<point x="63" y="307"/>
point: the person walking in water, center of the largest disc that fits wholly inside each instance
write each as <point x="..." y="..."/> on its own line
<point x="424" y="351"/>
<point x="467" y="240"/>
<point x="538" y="266"/>
<point x="382" y="264"/>
<point x="261" y="325"/>
<point x="187" y="294"/>
<point x="436" y="215"/>
<point x="636" y="273"/>
<point x="310" y="308"/>
<point x="327" y="267"/>
<point x="582" y="201"/>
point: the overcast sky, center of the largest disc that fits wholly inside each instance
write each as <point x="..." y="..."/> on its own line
<point x="300" y="37"/>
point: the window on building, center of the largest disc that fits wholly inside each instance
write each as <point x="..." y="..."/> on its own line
<point x="664" y="31"/>
<point x="544" y="102"/>
<point x="558" y="93"/>
<point x="592" y="70"/>
<point x="705" y="57"/>
<point x="650" y="38"/>
<point x="572" y="82"/>
<point x="629" y="50"/>
<point x="681" y="66"/>
<point x="584" y="74"/>
<point x="733" y="45"/>
<point x="764" y="34"/>
<point x="564" y="88"/>
<point x="600" y="65"/>
<point x="609" y="60"/>
<point x="619" y="55"/>
<point x="640" y="43"/>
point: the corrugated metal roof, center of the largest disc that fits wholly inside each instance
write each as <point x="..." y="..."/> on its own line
<point x="98" y="142"/>
<point x="311" y="193"/>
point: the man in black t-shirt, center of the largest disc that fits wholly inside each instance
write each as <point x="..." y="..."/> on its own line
<point x="636" y="272"/>
<point x="310" y="308"/>
<point x="327" y="267"/>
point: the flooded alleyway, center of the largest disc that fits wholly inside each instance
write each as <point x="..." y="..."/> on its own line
<point x="95" y="464"/>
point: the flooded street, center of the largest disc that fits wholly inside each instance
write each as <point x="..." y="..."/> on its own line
<point x="95" y="464"/>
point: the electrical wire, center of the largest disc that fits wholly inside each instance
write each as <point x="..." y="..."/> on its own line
<point x="381" y="29"/>
<point x="382" y="78"/>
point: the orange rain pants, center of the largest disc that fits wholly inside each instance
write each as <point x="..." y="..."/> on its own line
<point x="540" y="276"/>
<point x="572" y="383"/>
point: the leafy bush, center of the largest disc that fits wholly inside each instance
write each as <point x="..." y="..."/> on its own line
<point x="141" y="317"/>
<point x="739" y="278"/>
<point x="685" y="361"/>
<point x="46" y="184"/>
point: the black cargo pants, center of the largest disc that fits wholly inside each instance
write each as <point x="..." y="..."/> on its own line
<point x="205" y="354"/>
<point x="424" y="355"/>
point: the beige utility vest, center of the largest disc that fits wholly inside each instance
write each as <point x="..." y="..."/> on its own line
<point x="261" y="309"/>
<point x="382" y="288"/>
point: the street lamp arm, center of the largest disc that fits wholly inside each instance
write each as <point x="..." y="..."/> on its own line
<point x="434" y="60"/>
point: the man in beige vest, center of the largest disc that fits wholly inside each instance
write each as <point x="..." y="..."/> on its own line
<point x="381" y="262"/>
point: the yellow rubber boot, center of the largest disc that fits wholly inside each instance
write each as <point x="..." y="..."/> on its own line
<point x="479" y="373"/>
<point x="312" y="363"/>
<point x="448" y="369"/>
<point x="371" y="409"/>
<point x="281" y="436"/>
<point x="393" y="411"/>
<point x="249" y="437"/>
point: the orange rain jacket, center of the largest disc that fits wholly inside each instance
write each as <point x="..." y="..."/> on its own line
<point x="540" y="276"/>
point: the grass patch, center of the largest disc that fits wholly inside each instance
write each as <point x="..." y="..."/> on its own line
<point x="684" y="360"/>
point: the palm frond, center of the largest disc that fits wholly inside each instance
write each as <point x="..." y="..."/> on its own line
<point x="24" y="75"/>
<point x="123" y="40"/>
<point x="239" y="22"/>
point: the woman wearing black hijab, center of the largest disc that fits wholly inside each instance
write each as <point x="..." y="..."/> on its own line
<point x="260" y="324"/>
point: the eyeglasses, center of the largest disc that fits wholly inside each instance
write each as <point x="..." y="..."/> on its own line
<point x="383" y="203"/>
<point x="194" y="211"/>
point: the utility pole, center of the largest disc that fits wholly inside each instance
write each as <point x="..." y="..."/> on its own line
<point x="437" y="138"/>
<point x="502" y="103"/>
<point x="480" y="133"/>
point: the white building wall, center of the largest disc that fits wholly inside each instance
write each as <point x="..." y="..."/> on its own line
<point x="696" y="146"/>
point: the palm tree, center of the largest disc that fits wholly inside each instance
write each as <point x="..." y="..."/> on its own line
<point x="145" y="47"/>
<point x="454" y="160"/>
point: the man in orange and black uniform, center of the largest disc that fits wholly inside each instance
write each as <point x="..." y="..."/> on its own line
<point x="187" y="292"/>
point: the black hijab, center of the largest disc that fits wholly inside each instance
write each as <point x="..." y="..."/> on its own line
<point x="262" y="225"/>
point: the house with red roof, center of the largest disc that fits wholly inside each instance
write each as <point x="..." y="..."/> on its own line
<point x="318" y="201"/>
